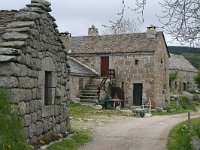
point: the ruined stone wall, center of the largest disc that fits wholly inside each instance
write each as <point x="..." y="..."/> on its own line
<point x="31" y="53"/>
<point x="184" y="77"/>
<point x="127" y="71"/>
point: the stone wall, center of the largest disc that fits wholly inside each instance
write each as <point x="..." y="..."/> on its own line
<point x="184" y="78"/>
<point x="6" y="17"/>
<point x="127" y="71"/>
<point x="75" y="88"/>
<point x="34" y="68"/>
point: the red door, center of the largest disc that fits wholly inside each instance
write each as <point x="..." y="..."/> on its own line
<point x="104" y="66"/>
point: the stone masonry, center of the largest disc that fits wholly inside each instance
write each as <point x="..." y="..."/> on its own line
<point x="34" y="68"/>
<point x="138" y="58"/>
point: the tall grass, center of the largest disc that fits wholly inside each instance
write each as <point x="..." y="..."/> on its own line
<point x="11" y="125"/>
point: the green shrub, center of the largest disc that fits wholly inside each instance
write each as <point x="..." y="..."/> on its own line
<point x="11" y="125"/>
<point x="186" y="104"/>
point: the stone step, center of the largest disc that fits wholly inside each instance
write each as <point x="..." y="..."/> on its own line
<point x="88" y="100"/>
<point x="88" y="97"/>
<point x="89" y="94"/>
<point x="90" y="91"/>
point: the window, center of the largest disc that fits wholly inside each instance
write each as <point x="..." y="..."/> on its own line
<point x="48" y="88"/>
<point x="136" y="61"/>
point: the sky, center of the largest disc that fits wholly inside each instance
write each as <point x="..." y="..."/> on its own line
<point x="76" y="16"/>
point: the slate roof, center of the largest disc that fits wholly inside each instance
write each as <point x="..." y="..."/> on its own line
<point x="178" y="62"/>
<point x="77" y="68"/>
<point x="134" y="42"/>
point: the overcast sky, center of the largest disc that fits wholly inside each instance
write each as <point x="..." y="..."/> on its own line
<point x="76" y="16"/>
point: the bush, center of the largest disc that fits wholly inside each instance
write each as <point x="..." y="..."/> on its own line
<point x="11" y="125"/>
<point x="186" y="104"/>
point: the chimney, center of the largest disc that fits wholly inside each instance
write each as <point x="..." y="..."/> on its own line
<point x="66" y="39"/>
<point x="93" y="31"/>
<point x="151" y="32"/>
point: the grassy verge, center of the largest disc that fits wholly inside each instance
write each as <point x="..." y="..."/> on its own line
<point x="183" y="106"/>
<point x="72" y="144"/>
<point x="11" y="125"/>
<point x="180" y="136"/>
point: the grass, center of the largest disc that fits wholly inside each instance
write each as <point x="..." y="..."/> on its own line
<point x="72" y="144"/>
<point x="184" y="106"/>
<point x="80" y="114"/>
<point x="11" y="125"/>
<point x="180" y="136"/>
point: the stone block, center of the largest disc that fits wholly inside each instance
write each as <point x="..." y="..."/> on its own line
<point x="27" y="120"/>
<point x="187" y="94"/>
<point x="10" y="51"/>
<point x="39" y="128"/>
<point x="39" y="115"/>
<point x="26" y="132"/>
<point x="13" y="44"/>
<point x="34" y="117"/>
<point x="9" y="36"/>
<point x="32" y="130"/>
<point x="8" y="82"/>
<point x="33" y="105"/>
<point x="48" y="111"/>
<point x="22" y="108"/>
<point x="20" y="24"/>
<point x="26" y="82"/>
<point x="27" y="16"/>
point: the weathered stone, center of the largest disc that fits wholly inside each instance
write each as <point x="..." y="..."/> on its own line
<point x="39" y="128"/>
<point x="18" y="95"/>
<point x="10" y="51"/>
<point x="14" y="36"/>
<point x="27" y="16"/>
<point x="188" y="95"/>
<point x="32" y="130"/>
<point x="22" y="29"/>
<point x="34" y="117"/>
<point x="26" y="132"/>
<point x="26" y="82"/>
<point x="22" y="108"/>
<point x="44" y="2"/>
<point x="57" y="110"/>
<point x="20" y="24"/>
<point x="40" y="5"/>
<point x="47" y="111"/>
<point x="6" y="58"/>
<point x="8" y="82"/>
<point x="14" y="44"/>
<point x="33" y="9"/>
<point x="33" y="105"/>
<point x="27" y="120"/>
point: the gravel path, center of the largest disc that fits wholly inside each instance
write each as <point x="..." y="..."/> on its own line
<point x="129" y="133"/>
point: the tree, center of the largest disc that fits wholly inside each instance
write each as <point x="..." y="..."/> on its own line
<point x="197" y="79"/>
<point x="125" y="26"/>
<point x="180" y="18"/>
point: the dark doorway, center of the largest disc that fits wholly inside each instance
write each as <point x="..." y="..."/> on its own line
<point x="104" y="66"/>
<point x="137" y="94"/>
<point x="184" y="86"/>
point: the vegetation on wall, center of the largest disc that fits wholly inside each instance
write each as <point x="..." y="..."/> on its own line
<point x="197" y="80"/>
<point x="11" y="125"/>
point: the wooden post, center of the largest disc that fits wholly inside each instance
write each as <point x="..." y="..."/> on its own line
<point x="189" y="120"/>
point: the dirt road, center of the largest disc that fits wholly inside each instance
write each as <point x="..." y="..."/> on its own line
<point x="129" y="133"/>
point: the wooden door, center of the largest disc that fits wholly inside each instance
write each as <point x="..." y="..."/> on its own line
<point x="137" y="94"/>
<point x="104" y="66"/>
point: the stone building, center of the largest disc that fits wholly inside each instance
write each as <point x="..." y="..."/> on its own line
<point x="34" y="69"/>
<point x="139" y="60"/>
<point x="80" y="76"/>
<point x="185" y="73"/>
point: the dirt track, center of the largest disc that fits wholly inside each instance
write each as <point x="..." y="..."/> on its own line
<point x="128" y="133"/>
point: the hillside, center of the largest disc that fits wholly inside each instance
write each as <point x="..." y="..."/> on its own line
<point x="191" y="54"/>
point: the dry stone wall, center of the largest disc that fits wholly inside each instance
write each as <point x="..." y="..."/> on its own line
<point x="34" y="68"/>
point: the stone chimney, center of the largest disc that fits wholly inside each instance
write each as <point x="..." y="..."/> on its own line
<point x="66" y="39"/>
<point x="151" y="32"/>
<point x="93" y="31"/>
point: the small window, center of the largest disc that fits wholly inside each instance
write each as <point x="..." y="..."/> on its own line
<point x="136" y="61"/>
<point x="48" y="88"/>
<point x="161" y="61"/>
